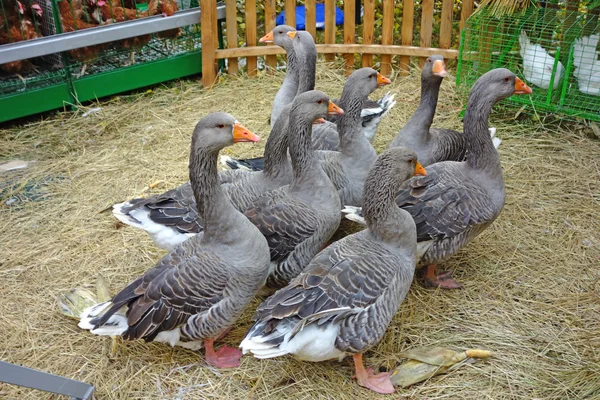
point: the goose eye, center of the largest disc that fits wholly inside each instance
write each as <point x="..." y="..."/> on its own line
<point x="506" y="79"/>
<point x="319" y="101"/>
<point x="411" y="161"/>
<point x="221" y="126"/>
<point x="429" y="60"/>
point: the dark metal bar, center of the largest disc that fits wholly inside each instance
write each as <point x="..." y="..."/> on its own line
<point x="103" y="34"/>
<point x="33" y="379"/>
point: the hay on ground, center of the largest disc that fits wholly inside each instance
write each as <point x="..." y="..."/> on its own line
<point x="531" y="282"/>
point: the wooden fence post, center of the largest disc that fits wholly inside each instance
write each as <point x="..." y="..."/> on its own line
<point x="310" y="7"/>
<point x="387" y="35"/>
<point x="368" y="29"/>
<point x="270" y="16"/>
<point x="208" y="21"/>
<point x="408" y="14"/>
<point x="329" y="26"/>
<point x="232" y="35"/>
<point x="349" y="16"/>
<point x="251" y="62"/>
<point x="290" y="13"/>
<point x="467" y="10"/>
<point x="446" y="25"/>
<point x="426" y="26"/>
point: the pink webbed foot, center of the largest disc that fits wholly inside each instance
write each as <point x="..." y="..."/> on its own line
<point x="430" y="278"/>
<point x="225" y="357"/>
<point x="379" y="383"/>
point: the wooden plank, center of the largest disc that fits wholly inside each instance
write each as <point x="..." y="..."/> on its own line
<point x="408" y="17"/>
<point x="311" y="17"/>
<point x="270" y="16"/>
<point x="446" y="24"/>
<point x="426" y="25"/>
<point x="290" y="13"/>
<point x="467" y="10"/>
<point x="251" y="62"/>
<point x="232" y="35"/>
<point x="387" y="35"/>
<point x="208" y="23"/>
<point x="412" y="51"/>
<point x="368" y="30"/>
<point x="349" y="14"/>
<point x="329" y="26"/>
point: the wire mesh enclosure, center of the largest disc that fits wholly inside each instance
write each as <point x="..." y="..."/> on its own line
<point x="86" y="73"/>
<point x="554" y="49"/>
<point x="20" y="21"/>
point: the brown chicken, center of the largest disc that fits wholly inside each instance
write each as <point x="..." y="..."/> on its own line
<point x="168" y="8"/>
<point x="73" y="18"/>
<point x="113" y="11"/>
<point x="16" y="26"/>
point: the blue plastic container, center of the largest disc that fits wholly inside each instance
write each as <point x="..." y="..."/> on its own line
<point x="301" y="17"/>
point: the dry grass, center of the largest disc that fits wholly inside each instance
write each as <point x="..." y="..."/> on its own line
<point x="531" y="281"/>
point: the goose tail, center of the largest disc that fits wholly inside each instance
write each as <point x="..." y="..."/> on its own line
<point x="354" y="214"/>
<point x="263" y="344"/>
<point x="87" y="303"/>
<point x="248" y="164"/>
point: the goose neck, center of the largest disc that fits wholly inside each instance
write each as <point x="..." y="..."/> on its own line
<point x="304" y="161"/>
<point x="276" y="160"/>
<point x="307" y="66"/>
<point x="420" y="122"/>
<point x="350" y="123"/>
<point x="480" y="152"/>
<point x="210" y="199"/>
<point x="384" y="218"/>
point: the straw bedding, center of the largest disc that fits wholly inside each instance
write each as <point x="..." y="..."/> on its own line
<point x="531" y="282"/>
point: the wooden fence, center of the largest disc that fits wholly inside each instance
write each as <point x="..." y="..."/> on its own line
<point x="386" y="48"/>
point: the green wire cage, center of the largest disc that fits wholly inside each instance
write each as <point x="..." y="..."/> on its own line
<point x="552" y="48"/>
<point x="68" y="78"/>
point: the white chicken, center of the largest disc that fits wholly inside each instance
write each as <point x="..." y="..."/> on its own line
<point x="538" y="64"/>
<point x="587" y="65"/>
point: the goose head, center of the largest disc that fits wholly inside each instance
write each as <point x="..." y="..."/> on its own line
<point x="366" y="81"/>
<point x="498" y="84"/>
<point x="314" y="104"/>
<point x="218" y="130"/>
<point x="279" y="36"/>
<point x="434" y="68"/>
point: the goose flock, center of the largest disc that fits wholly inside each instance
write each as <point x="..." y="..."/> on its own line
<point x="264" y="229"/>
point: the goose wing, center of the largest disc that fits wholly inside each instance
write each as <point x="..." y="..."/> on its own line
<point x="285" y="222"/>
<point x="186" y="282"/>
<point x="444" y="203"/>
<point x="340" y="279"/>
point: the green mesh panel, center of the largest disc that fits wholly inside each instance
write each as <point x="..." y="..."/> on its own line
<point x="489" y="42"/>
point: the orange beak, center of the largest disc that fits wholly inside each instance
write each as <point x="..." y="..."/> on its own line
<point x="419" y="170"/>
<point x="268" y="38"/>
<point x="241" y="134"/>
<point x="521" y="87"/>
<point x="334" y="109"/>
<point x="291" y="34"/>
<point x="319" y="121"/>
<point x="439" y="69"/>
<point x="382" y="80"/>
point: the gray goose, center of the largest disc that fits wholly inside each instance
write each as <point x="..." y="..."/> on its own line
<point x="325" y="137"/>
<point x="304" y="58"/>
<point x="432" y="144"/>
<point x="298" y="219"/>
<point x="286" y="93"/>
<point x="171" y="218"/>
<point x="344" y="300"/>
<point x="349" y="167"/>
<point x="199" y="289"/>
<point x="457" y="201"/>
